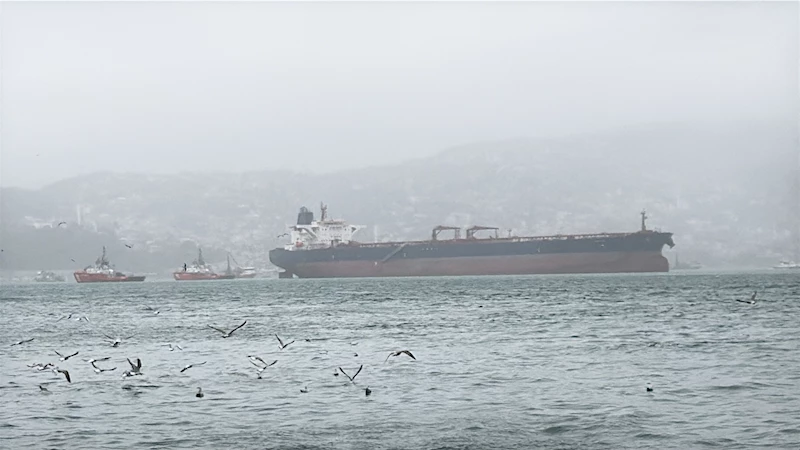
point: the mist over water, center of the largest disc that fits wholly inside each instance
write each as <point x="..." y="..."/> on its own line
<point x="502" y="362"/>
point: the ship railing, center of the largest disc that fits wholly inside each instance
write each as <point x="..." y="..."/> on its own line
<point x="557" y="237"/>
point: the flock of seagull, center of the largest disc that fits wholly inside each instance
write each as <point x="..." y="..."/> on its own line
<point x="136" y="367"/>
<point x="260" y="364"/>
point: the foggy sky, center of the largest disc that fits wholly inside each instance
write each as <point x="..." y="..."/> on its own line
<point x="170" y="87"/>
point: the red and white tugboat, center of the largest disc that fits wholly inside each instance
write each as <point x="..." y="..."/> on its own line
<point x="103" y="272"/>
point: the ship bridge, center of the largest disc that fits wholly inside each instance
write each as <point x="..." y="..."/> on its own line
<point x="310" y="234"/>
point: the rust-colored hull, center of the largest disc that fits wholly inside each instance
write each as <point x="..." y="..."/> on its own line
<point x="83" y="277"/>
<point x="561" y="263"/>
<point x="188" y="276"/>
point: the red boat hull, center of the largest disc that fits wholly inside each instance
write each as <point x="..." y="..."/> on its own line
<point x="83" y="277"/>
<point x="188" y="276"/>
<point x="563" y="263"/>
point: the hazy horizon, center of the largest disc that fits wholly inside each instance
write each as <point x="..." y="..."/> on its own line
<point x="320" y="87"/>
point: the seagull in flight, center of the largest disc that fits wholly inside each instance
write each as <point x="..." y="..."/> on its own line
<point x="400" y="352"/>
<point x="24" y="341"/>
<point x="64" y="358"/>
<point x="282" y="345"/>
<point x="254" y="359"/>
<point x="40" y="366"/>
<point x="259" y="368"/>
<point x="56" y="371"/>
<point x="155" y="311"/>
<point x="752" y="300"/>
<point x="61" y="223"/>
<point x="226" y="334"/>
<point x="99" y="370"/>
<point x="173" y="347"/>
<point x="94" y="360"/>
<point x="192" y="365"/>
<point x="136" y="369"/>
<point x="77" y="319"/>
<point x="116" y="341"/>
<point x="354" y="376"/>
<point x="129" y="246"/>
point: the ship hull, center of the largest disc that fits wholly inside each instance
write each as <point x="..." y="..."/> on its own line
<point x="622" y="253"/>
<point x="186" y="276"/>
<point x="82" y="277"/>
<point x="616" y="262"/>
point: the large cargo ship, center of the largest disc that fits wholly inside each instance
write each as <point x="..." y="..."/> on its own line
<point x="103" y="272"/>
<point x="199" y="270"/>
<point x="325" y="248"/>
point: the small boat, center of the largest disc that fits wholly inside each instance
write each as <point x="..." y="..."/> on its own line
<point x="45" y="276"/>
<point x="242" y="272"/>
<point x="691" y="265"/>
<point x="787" y="265"/>
<point x="199" y="270"/>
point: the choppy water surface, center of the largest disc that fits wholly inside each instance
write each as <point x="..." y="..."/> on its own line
<point x="502" y="362"/>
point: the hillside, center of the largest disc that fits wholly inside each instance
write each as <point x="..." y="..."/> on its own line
<point x="725" y="191"/>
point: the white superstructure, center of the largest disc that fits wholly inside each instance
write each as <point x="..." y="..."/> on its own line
<point x="309" y="234"/>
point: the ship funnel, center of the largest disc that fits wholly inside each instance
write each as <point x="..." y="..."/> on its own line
<point x="305" y="217"/>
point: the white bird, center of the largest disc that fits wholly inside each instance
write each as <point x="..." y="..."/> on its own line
<point x="155" y="311"/>
<point x="259" y="368"/>
<point x="94" y="360"/>
<point x="136" y="369"/>
<point x="281" y="345"/>
<point x="172" y="348"/>
<point x="99" y="370"/>
<point x="226" y="334"/>
<point x="254" y="359"/>
<point x="56" y="371"/>
<point x="398" y="353"/>
<point x="354" y="376"/>
<point x="24" y="341"/>
<point x="64" y="358"/>
<point x="77" y="319"/>
<point x="752" y="300"/>
<point x="192" y="365"/>
<point x="116" y="341"/>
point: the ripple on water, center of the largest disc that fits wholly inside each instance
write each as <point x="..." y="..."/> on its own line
<point x="503" y="362"/>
